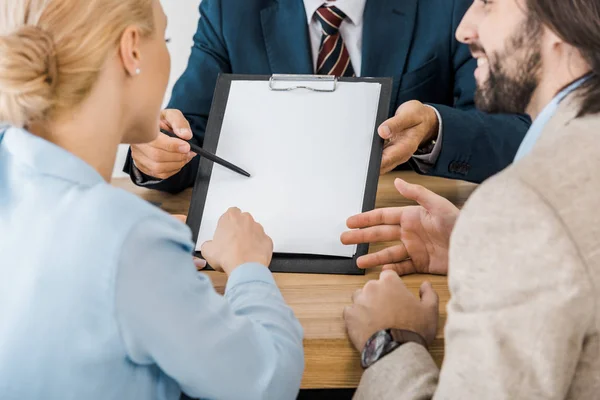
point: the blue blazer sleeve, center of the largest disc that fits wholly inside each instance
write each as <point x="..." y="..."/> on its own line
<point x="193" y="92"/>
<point x="475" y="145"/>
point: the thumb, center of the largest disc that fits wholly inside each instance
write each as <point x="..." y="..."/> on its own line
<point x="406" y="117"/>
<point x="183" y="133"/>
<point x="208" y="250"/>
<point x="199" y="263"/>
<point x="429" y="297"/>
<point x="177" y="122"/>
<point x="418" y="193"/>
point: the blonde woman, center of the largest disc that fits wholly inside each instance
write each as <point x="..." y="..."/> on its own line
<point x="99" y="296"/>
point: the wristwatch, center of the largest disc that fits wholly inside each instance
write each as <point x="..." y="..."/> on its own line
<point x="385" y="341"/>
<point x="426" y="147"/>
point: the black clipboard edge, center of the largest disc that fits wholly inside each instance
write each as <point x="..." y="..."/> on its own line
<point x="293" y="263"/>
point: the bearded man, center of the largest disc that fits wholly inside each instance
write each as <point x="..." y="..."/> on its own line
<point x="524" y="257"/>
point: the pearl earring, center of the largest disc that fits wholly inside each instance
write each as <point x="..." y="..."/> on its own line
<point x="138" y="71"/>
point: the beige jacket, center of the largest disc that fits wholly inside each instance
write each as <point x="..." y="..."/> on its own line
<point x="523" y="319"/>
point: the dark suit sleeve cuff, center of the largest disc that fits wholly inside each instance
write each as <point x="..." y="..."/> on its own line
<point x="425" y="162"/>
<point x="140" y="178"/>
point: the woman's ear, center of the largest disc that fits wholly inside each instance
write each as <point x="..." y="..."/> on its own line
<point x="129" y="51"/>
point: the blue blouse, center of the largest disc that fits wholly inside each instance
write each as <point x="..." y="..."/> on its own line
<point x="100" y="298"/>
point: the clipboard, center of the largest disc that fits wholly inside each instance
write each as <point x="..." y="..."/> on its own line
<point x="289" y="262"/>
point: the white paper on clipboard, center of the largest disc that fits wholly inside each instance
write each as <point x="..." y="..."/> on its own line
<point x="308" y="154"/>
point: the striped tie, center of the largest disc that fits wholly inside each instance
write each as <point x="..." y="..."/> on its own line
<point x="333" y="55"/>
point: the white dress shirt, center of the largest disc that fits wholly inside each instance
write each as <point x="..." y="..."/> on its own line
<point x="351" y="29"/>
<point x="352" y="33"/>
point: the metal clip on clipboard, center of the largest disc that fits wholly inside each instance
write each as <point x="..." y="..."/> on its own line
<point x="330" y="79"/>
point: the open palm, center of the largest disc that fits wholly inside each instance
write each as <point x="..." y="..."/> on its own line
<point x="423" y="231"/>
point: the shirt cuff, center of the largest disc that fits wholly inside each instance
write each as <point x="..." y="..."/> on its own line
<point x="426" y="161"/>
<point x="247" y="273"/>
<point x="141" y="179"/>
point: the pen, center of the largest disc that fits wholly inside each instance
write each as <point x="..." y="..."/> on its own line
<point x="208" y="155"/>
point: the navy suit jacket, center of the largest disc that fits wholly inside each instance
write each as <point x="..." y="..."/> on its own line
<point x="410" y="40"/>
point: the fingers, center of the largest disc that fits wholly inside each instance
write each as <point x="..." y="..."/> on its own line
<point x="164" y="149"/>
<point x="389" y="275"/>
<point x="229" y="218"/>
<point x="179" y="125"/>
<point x="398" y="152"/>
<point x="347" y="311"/>
<point x="381" y="216"/>
<point x="401" y="268"/>
<point x="234" y="218"/>
<point x="163" y="157"/>
<point x="199" y="263"/>
<point x="407" y="116"/>
<point x="170" y="144"/>
<point x="383" y="233"/>
<point x="389" y="255"/>
<point x="403" y="133"/>
<point x="250" y="219"/>
<point x="206" y="249"/>
<point x="208" y="252"/>
<point x="232" y="212"/>
<point x="180" y="217"/>
<point x="357" y="325"/>
<point x="426" y="198"/>
<point x="412" y="125"/>
<point x="174" y="146"/>
<point x="160" y="170"/>
<point x="429" y="298"/>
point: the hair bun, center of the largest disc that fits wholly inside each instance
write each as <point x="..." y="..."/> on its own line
<point x="28" y="75"/>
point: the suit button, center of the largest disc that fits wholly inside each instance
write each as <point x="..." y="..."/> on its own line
<point x="457" y="167"/>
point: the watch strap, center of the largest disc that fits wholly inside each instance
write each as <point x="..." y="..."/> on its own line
<point x="402" y="336"/>
<point x="383" y="342"/>
<point x="426" y="147"/>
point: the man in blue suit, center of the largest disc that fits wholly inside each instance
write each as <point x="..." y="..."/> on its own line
<point x="434" y="124"/>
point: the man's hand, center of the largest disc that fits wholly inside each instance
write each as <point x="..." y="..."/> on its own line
<point x="165" y="156"/>
<point x="388" y="304"/>
<point x="424" y="232"/>
<point x="414" y="124"/>
<point x="238" y="240"/>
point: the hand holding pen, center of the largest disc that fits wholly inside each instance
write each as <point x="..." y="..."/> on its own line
<point x="169" y="153"/>
<point x="210" y="156"/>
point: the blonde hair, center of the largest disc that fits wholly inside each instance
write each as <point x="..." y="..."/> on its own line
<point x="52" y="51"/>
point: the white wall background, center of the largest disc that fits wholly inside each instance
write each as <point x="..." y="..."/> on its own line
<point x="183" y="19"/>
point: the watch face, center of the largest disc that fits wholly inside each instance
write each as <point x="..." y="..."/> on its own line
<point x="375" y="347"/>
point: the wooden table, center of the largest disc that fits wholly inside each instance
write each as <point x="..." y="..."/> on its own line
<point x="318" y="300"/>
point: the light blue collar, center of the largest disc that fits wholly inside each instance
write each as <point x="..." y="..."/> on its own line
<point x="47" y="158"/>
<point x="537" y="127"/>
